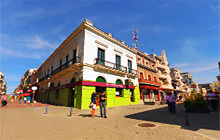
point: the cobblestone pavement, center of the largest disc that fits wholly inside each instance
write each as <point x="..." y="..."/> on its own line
<point x="25" y="122"/>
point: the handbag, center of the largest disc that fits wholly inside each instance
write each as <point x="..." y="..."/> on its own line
<point x="91" y="105"/>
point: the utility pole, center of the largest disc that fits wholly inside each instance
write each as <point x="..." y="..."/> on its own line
<point x="135" y="37"/>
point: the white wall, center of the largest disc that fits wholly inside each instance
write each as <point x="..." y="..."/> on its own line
<point x="91" y="52"/>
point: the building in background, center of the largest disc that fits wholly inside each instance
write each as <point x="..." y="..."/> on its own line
<point x="206" y="87"/>
<point x="3" y="88"/>
<point x="177" y="82"/>
<point x="89" y="60"/>
<point x="163" y="73"/>
<point x="148" y="78"/>
<point x="188" y="79"/>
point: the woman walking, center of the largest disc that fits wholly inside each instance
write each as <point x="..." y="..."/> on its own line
<point x="170" y="100"/>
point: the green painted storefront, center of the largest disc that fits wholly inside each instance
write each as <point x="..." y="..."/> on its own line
<point x="82" y="96"/>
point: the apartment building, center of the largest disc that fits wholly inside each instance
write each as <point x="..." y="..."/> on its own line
<point x="89" y="60"/>
<point x="148" y="78"/>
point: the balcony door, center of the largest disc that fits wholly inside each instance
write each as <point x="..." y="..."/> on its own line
<point x="74" y="56"/>
<point x="118" y="62"/>
<point x="101" y="56"/>
<point x="129" y="66"/>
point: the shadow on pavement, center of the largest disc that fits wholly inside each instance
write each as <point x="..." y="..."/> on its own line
<point x="196" y="120"/>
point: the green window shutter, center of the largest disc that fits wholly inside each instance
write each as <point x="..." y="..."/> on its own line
<point x="118" y="82"/>
<point x="100" y="79"/>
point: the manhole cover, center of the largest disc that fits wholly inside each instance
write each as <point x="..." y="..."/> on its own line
<point x="146" y="125"/>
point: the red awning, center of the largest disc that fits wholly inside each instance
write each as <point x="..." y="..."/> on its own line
<point x="150" y="87"/>
<point x="25" y="94"/>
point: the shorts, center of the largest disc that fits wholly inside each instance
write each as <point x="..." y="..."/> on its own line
<point x="94" y="106"/>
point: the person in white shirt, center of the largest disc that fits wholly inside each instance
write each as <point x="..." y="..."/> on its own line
<point x="212" y="98"/>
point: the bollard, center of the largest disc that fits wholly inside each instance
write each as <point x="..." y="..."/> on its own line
<point x="46" y="110"/>
<point x="71" y="111"/>
<point x="186" y="118"/>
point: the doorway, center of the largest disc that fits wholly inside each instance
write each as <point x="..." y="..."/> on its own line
<point x="72" y="96"/>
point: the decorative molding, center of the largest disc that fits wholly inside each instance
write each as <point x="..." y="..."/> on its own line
<point x="129" y="56"/>
<point x="100" y="43"/>
<point x="118" y="51"/>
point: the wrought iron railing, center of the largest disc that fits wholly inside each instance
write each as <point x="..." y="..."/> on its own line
<point x="62" y="67"/>
<point x="111" y="65"/>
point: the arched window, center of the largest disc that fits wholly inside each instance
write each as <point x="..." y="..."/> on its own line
<point x="100" y="79"/>
<point x="155" y="79"/>
<point x="149" y="77"/>
<point x="100" y="89"/>
<point x="118" y="81"/>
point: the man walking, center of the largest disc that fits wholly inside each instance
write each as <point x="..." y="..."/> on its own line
<point x="102" y="104"/>
<point x="212" y="98"/>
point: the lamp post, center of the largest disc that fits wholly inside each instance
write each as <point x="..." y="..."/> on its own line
<point x="46" y="111"/>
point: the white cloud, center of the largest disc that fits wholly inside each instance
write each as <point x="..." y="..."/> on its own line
<point x="14" y="53"/>
<point x="39" y="43"/>
<point x="180" y="65"/>
<point x="199" y="67"/>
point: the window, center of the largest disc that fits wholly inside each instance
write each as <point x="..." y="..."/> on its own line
<point x="57" y="94"/>
<point x="51" y="69"/>
<point x="152" y="66"/>
<point x="147" y="63"/>
<point x="141" y="75"/>
<point x="129" y="66"/>
<point x="139" y="60"/>
<point x="48" y="71"/>
<point x="60" y="62"/>
<point x="149" y="77"/>
<point x="118" y="62"/>
<point x="118" y="92"/>
<point x="74" y="56"/>
<point x="101" y="56"/>
<point x="155" y="79"/>
<point x="119" y="82"/>
<point x="67" y="59"/>
<point x="132" y="95"/>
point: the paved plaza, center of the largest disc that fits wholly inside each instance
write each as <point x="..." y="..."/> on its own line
<point x="25" y="122"/>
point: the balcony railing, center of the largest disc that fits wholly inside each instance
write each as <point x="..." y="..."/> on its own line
<point x="141" y="80"/>
<point x="62" y="67"/>
<point x="67" y="64"/>
<point x="111" y="65"/>
<point x="146" y="67"/>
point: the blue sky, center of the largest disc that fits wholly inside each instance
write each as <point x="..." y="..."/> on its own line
<point x="30" y="30"/>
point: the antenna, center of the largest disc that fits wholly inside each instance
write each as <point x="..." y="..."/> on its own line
<point x="135" y="37"/>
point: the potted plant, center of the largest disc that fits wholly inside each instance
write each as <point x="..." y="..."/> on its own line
<point x="196" y="103"/>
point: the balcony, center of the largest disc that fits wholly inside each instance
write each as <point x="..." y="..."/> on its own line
<point x="161" y="66"/>
<point x="66" y="67"/>
<point x="145" y="67"/>
<point x="116" y="68"/>
<point x="145" y="81"/>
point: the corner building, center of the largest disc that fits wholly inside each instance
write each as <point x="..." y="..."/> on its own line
<point x="89" y="60"/>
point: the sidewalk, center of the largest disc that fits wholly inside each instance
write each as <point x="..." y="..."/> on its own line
<point x="122" y="124"/>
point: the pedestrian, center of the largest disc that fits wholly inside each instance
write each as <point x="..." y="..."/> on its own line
<point x="102" y="99"/>
<point x="20" y="99"/>
<point x="212" y="99"/>
<point x="28" y="99"/>
<point x="93" y="101"/>
<point x="4" y="100"/>
<point x="25" y="99"/>
<point x="170" y="100"/>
